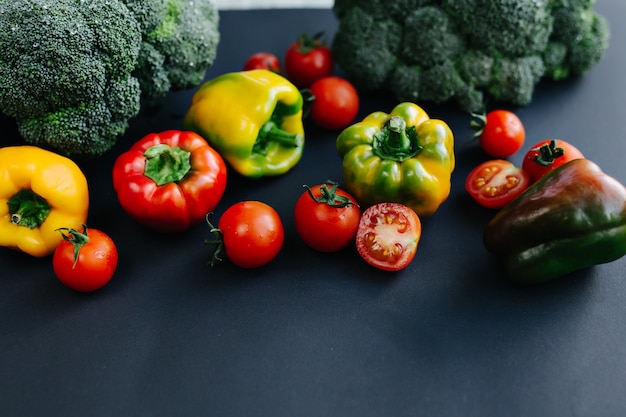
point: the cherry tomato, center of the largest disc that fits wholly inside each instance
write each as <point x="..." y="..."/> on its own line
<point x="388" y="235"/>
<point x="263" y="60"/>
<point x="251" y="232"/>
<point x="335" y="103"/>
<point x="494" y="184"/>
<point x="548" y="155"/>
<point x="500" y="133"/>
<point x="307" y="60"/>
<point x="85" y="261"/>
<point x="326" y="217"/>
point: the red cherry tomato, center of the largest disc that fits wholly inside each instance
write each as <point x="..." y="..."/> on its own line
<point x="251" y="232"/>
<point x="548" y="155"/>
<point x="494" y="184"/>
<point x="263" y="60"/>
<point x="388" y="236"/>
<point x="307" y="60"/>
<point x="335" y="103"/>
<point x="326" y="217"/>
<point x="85" y="261"/>
<point x="500" y="133"/>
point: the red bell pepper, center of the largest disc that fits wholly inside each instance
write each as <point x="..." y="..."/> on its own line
<point x="169" y="181"/>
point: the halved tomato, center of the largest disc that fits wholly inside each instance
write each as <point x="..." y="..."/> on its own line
<point x="388" y="235"/>
<point x="494" y="184"/>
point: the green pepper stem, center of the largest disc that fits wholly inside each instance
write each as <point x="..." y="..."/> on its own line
<point x="395" y="141"/>
<point x="28" y="209"/>
<point x="271" y="132"/>
<point x="166" y="164"/>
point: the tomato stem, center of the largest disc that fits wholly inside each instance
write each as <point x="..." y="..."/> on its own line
<point x="548" y="153"/>
<point x="307" y="43"/>
<point x="217" y="241"/>
<point x="76" y="238"/>
<point x="329" y="196"/>
<point x="478" y="123"/>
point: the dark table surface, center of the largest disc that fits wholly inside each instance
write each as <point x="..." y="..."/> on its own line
<point x="324" y="334"/>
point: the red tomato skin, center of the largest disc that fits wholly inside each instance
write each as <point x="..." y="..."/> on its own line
<point x="172" y="207"/>
<point x="252" y="232"/>
<point x="388" y="236"/>
<point x="263" y="60"/>
<point x="503" y="134"/>
<point x="509" y="182"/>
<point x="323" y="227"/>
<point x="97" y="262"/>
<point x="304" y="68"/>
<point x="536" y="171"/>
<point x="336" y="102"/>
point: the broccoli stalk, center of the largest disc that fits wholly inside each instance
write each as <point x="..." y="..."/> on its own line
<point x="463" y="51"/>
<point x="73" y="73"/>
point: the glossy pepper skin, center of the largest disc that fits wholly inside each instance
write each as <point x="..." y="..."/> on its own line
<point x="40" y="192"/>
<point x="170" y="180"/>
<point x="254" y="120"/>
<point x="572" y="218"/>
<point x="403" y="157"/>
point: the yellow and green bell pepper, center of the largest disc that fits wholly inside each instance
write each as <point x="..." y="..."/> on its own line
<point x="253" y="119"/>
<point x="40" y="192"/>
<point x="404" y="157"/>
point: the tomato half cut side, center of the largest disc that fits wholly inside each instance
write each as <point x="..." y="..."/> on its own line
<point x="494" y="184"/>
<point x="388" y="235"/>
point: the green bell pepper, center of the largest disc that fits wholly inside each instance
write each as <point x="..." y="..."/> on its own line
<point x="574" y="217"/>
<point x="253" y="119"/>
<point x="403" y="157"/>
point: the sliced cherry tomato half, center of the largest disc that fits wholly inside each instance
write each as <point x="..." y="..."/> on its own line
<point x="494" y="184"/>
<point x="388" y="235"/>
<point x="548" y="155"/>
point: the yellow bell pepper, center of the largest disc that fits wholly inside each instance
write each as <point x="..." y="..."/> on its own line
<point x="40" y="192"/>
<point x="403" y="157"/>
<point x="252" y="118"/>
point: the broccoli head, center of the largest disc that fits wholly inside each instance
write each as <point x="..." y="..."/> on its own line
<point x="72" y="73"/>
<point x="179" y="42"/>
<point x="66" y="81"/>
<point x="464" y="51"/>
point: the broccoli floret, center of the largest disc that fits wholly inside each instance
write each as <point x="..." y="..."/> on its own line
<point x="72" y="73"/>
<point x="63" y="78"/>
<point x="378" y="59"/>
<point x="180" y="40"/>
<point x="465" y="51"/>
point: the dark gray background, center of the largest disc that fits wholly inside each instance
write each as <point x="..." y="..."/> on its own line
<point x="324" y="334"/>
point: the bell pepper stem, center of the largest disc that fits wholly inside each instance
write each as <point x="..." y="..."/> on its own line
<point x="395" y="141"/>
<point x="28" y="209"/>
<point x="271" y="132"/>
<point x="165" y="164"/>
